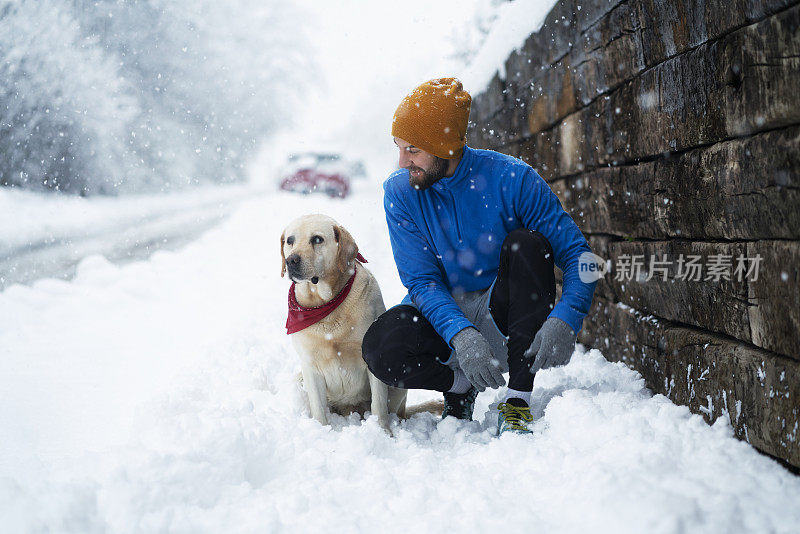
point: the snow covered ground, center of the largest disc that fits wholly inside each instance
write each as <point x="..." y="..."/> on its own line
<point x="159" y="396"/>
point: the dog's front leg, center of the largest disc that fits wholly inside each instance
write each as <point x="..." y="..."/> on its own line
<point x="317" y="392"/>
<point x="397" y="401"/>
<point x="380" y="400"/>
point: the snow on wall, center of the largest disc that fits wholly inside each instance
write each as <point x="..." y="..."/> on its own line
<point x="513" y="23"/>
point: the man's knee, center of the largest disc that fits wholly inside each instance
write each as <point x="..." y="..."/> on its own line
<point x="528" y="243"/>
<point x="383" y="342"/>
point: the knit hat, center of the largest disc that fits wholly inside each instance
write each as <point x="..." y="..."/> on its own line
<point x="433" y="117"/>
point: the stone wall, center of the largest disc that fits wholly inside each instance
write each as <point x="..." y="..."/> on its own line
<point x="672" y="127"/>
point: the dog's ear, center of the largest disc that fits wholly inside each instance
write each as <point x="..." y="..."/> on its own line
<point x="348" y="250"/>
<point x="283" y="256"/>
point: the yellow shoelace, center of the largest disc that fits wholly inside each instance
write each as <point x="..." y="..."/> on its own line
<point x="515" y="418"/>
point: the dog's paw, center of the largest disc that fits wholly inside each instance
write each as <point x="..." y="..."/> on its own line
<point x="385" y="424"/>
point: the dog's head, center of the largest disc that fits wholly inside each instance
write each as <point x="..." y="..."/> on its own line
<point x="316" y="247"/>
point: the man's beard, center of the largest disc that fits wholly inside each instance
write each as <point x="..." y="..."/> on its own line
<point x="428" y="178"/>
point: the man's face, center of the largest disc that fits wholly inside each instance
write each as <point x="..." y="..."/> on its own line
<point x="424" y="169"/>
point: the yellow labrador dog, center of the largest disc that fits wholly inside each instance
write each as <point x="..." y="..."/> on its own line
<point x="332" y="302"/>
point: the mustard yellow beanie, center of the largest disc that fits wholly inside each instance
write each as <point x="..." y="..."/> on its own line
<point x="433" y="117"/>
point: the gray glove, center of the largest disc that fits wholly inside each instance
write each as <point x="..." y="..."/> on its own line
<point x="552" y="345"/>
<point x="476" y="360"/>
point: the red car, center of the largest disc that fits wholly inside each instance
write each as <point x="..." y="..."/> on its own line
<point x="319" y="173"/>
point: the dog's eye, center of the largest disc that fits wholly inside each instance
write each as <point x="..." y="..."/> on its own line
<point x="316" y="240"/>
<point x="290" y="240"/>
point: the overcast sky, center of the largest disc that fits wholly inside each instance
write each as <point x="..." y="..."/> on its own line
<point x="370" y="54"/>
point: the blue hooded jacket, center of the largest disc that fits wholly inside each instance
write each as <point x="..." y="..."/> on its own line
<point x="447" y="238"/>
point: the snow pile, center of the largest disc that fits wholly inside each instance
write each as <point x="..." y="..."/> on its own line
<point x="161" y="396"/>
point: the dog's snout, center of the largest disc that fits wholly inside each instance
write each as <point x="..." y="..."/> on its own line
<point x="293" y="260"/>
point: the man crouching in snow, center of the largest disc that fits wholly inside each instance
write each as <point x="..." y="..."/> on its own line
<point x="475" y="236"/>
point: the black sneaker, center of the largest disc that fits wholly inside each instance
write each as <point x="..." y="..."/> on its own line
<point x="460" y="405"/>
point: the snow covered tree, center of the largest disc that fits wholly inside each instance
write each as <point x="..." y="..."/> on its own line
<point x="109" y="96"/>
<point x="64" y="106"/>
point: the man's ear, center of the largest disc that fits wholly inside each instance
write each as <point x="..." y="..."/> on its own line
<point x="348" y="250"/>
<point x="283" y="257"/>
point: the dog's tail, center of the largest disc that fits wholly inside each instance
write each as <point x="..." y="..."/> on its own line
<point x="435" y="406"/>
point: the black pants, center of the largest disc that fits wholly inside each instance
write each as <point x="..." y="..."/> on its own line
<point x="402" y="349"/>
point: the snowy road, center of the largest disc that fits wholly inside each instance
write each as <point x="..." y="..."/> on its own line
<point x="159" y="396"/>
<point x="122" y="229"/>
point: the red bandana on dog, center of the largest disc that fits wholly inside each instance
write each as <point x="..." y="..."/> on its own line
<point x="301" y="317"/>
